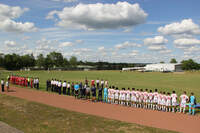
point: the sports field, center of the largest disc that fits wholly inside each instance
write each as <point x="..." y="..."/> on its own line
<point x="188" y="81"/>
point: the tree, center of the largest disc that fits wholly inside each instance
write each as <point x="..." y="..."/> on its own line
<point x="73" y="61"/>
<point x="162" y="62"/>
<point x="189" y="65"/>
<point x="66" y="63"/>
<point x="13" y="62"/>
<point x="173" y="60"/>
<point x="40" y="61"/>
<point x="56" y="58"/>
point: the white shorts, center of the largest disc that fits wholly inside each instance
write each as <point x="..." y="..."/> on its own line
<point x="124" y="98"/>
<point x="155" y="100"/>
<point x="112" y="96"/>
<point x="128" y="98"/>
<point x="168" y="103"/>
<point x="174" y="103"/>
<point x="116" y="96"/>
<point x="150" y="101"/>
<point x="133" y="99"/>
<point x="183" y="105"/>
<point x="163" y="102"/>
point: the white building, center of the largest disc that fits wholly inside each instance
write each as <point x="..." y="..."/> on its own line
<point x="163" y="67"/>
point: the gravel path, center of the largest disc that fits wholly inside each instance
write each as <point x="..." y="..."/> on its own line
<point x="5" y="128"/>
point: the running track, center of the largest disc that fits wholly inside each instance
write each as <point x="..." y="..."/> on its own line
<point x="165" y="120"/>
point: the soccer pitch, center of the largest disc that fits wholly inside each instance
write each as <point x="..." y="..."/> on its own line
<point x="187" y="81"/>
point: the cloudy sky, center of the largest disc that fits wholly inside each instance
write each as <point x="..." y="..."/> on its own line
<point x="106" y="30"/>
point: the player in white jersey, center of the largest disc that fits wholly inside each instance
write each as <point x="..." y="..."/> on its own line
<point x="133" y="97"/>
<point x="113" y="94"/>
<point x="150" y="100"/>
<point x="123" y="96"/>
<point x="109" y="94"/>
<point x="174" y="101"/>
<point x="117" y="95"/>
<point x="128" y="97"/>
<point x="159" y="100"/>
<point x="168" y="102"/>
<point x="141" y="97"/>
<point x="120" y="96"/>
<point x="155" y="99"/>
<point x="145" y="100"/>
<point x="137" y="94"/>
<point x="183" y="100"/>
<point x="163" y="102"/>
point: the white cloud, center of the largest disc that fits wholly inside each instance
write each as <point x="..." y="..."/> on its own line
<point x="102" y="48"/>
<point x="9" y="43"/>
<point x="157" y="40"/>
<point x="100" y="16"/>
<point x="134" y="53"/>
<point x="81" y="51"/>
<point x="186" y="26"/>
<point x="157" y="47"/>
<point x="127" y="44"/>
<point x="186" y="42"/>
<point x="8" y="13"/>
<point x="66" y="44"/>
<point x="67" y="1"/>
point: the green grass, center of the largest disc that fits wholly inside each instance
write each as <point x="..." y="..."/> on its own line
<point x="188" y="81"/>
<point x="32" y="117"/>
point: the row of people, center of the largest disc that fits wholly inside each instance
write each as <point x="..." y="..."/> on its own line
<point x="148" y="99"/>
<point x="24" y="81"/>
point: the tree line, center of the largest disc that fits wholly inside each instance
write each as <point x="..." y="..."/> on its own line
<point x="55" y="60"/>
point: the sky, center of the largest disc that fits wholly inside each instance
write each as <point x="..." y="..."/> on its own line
<point x="133" y="31"/>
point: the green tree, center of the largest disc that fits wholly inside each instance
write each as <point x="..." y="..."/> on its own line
<point x="73" y="61"/>
<point x="40" y="61"/>
<point x="189" y="65"/>
<point x="162" y="62"/>
<point x="173" y="60"/>
<point x="13" y="62"/>
<point x="56" y="58"/>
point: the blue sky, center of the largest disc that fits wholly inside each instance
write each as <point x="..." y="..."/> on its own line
<point x="107" y="30"/>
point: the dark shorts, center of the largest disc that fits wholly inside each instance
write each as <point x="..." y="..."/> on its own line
<point x="76" y="92"/>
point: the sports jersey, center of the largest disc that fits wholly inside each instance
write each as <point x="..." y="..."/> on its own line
<point x="183" y="98"/>
<point x="64" y="84"/>
<point x="168" y="101"/>
<point x="116" y="94"/>
<point x="174" y="99"/>
<point x="128" y="95"/>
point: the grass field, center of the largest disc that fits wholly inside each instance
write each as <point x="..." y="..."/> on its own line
<point x="33" y="117"/>
<point x="189" y="81"/>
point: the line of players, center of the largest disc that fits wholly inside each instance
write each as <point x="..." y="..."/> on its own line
<point x="147" y="99"/>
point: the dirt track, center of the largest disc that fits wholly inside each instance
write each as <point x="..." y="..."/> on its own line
<point x="171" y="121"/>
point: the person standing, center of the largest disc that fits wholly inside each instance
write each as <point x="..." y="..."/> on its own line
<point x="105" y="94"/>
<point x="183" y="100"/>
<point x="93" y="89"/>
<point x="97" y="83"/>
<point x="68" y="88"/>
<point x="76" y="88"/>
<point x="100" y="93"/>
<point x="31" y="82"/>
<point x="72" y="89"/>
<point x="81" y="89"/>
<point x="102" y="84"/>
<point x="192" y="104"/>
<point x="64" y="85"/>
<point x="7" y="85"/>
<point x="2" y="85"/>
<point x="59" y="87"/>
<point x="37" y="83"/>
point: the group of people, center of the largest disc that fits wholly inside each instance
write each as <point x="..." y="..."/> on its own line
<point x="138" y="98"/>
<point x="77" y="89"/>
<point x="24" y="81"/>
<point x="4" y="84"/>
<point x="99" y="90"/>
